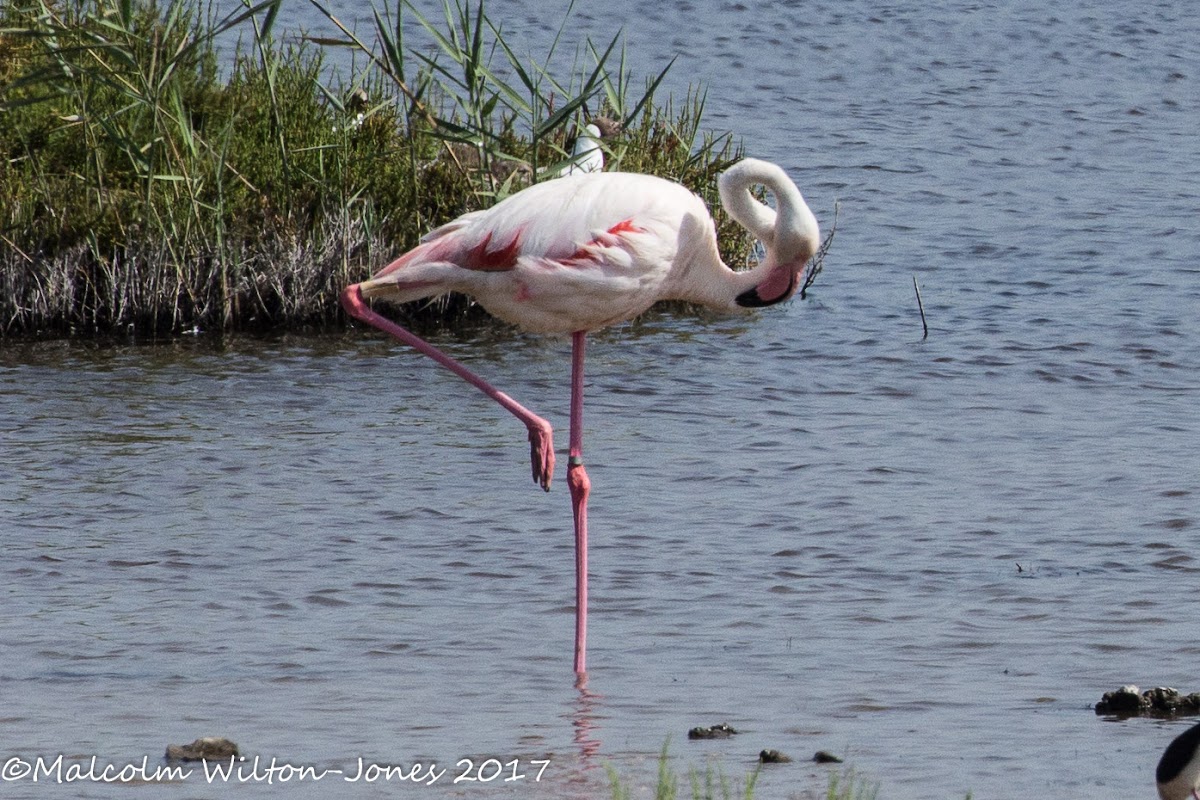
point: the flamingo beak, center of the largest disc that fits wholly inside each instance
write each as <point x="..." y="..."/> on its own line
<point x="766" y="293"/>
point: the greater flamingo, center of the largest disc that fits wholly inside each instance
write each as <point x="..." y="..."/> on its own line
<point x="581" y="252"/>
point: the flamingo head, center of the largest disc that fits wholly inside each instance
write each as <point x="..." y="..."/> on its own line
<point x="789" y="232"/>
<point x="784" y="270"/>
<point x="781" y="283"/>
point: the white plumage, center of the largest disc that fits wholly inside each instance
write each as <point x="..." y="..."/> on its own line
<point x="585" y="251"/>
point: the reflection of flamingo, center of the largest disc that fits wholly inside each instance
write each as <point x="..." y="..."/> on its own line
<point x="585" y="719"/>
<point x="582" y="252"/>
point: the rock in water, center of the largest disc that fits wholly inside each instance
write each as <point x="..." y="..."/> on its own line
<point x="207" y="748"/>
<point x="772" y="757"/>
<point x="721" y="731"/>
<point x="1159" y="701"/>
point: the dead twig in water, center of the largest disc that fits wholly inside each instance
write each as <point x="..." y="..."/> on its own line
<point x="818" y="259"/>
<point x="921" y="308"/>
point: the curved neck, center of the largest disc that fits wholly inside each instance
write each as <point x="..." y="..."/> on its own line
<point x="791" y="237"/>
<point x="790" y="233"/>
<point x="734" y="186"/>
<point x="787" y="234"/>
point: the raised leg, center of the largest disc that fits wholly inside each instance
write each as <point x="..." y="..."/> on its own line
<point x="580" y="486"/>
<point x="541" y="436"/>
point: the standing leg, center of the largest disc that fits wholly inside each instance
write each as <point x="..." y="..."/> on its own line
<point x="541" y="443"/>
<point x="580" y="486"/>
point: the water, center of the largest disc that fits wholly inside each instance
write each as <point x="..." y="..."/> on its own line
<point x="931" y="556"/>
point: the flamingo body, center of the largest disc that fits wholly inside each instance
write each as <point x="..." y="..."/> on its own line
<point x="582" y="252"/>
<point x="588" y="250"/>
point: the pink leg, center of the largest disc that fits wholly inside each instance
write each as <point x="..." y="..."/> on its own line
<point x="541" y="442"/>
<point x="580" y="486"/>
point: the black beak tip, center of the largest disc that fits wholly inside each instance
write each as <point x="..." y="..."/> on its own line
<point x="750" y="299"/>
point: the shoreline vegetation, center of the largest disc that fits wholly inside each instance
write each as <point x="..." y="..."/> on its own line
<point x="712" y="783"/>
<point x="155" y="181"/>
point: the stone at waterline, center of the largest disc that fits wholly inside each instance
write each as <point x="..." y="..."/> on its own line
<point x="772" y="757"/>
<point x="1161" y="700"/>
<point x="210" y="748"/>
<point x="720" y="731"/>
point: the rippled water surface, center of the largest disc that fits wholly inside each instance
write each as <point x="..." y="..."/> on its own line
<point x="930" y="556"/>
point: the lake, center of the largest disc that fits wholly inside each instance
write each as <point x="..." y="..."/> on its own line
<point x="930" y="556"/>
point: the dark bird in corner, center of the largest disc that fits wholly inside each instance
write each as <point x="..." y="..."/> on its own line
<point x="1178" y="773"/>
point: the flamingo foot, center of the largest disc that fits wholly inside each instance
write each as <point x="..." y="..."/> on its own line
<point x="541" y="452"/>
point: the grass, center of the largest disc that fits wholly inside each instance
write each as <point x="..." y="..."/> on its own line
<point x="704" y="786"/>
<point x="847" y="784"/>
<point x="713" y="784"/>
<point x="151" y="185"/>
